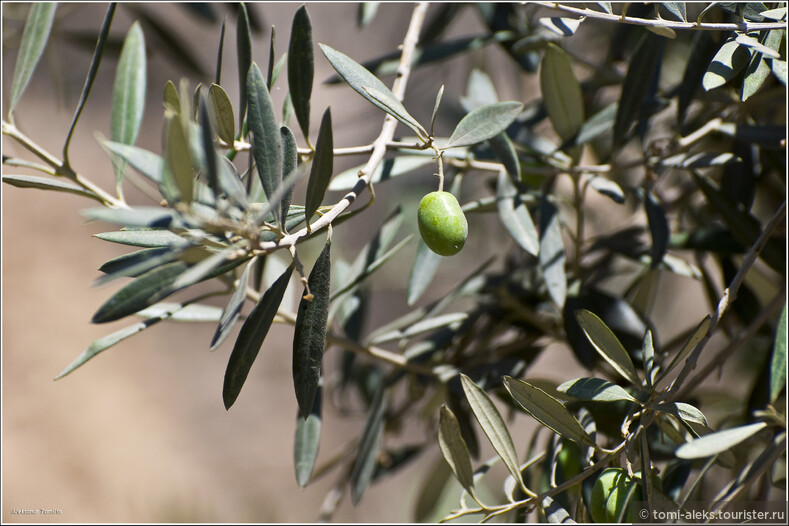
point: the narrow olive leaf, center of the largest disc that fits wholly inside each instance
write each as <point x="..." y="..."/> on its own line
<point x="266" y="139"/>
<point x="139" y="216"/>
<point x="365" y="13"/>
<point x="423" y="271"/>
<point x="144" y="238"/>
<point x="547" y="410"/>
<point x="135" y="263"/>
<point x="640" y="72"/>
<point x="778" y="359"/>
<point x="730" y="59"/>
<point x="271" y="55"/>
<point x="515" y="216"/>
<point x="307" y="441"/>
<point x="428" y="501"/>
<point x="251" y="337"/>
<point x="222" y="113"/>
<point x="759" y="69"/>
<point x="648" y="360"/>
<point x="244" y="52"/>
<point x="703" y="49"/>
<point x="607" y="188"/>
<point x="178" y="158"/>
<point x="700" y="160"/>
<point x="230" y="182"/>
<point x="371" y="88"/>
<point x="207" y="136"/>
<point x="145" y="162"/>
<point x="388" y="169"/>
<point x="172" y="101"/>
<point x="595" y="389"/>
<point x="493" y="425"/>
<point x="504" y="149"/>
<point x="551" y="254"/>
<point x="34" y="40"/>
<point x="753" y="43"/>
<point x="699" y="333"/>
<point x="369" y="444"/>
<point x="561" y="92"/>
<point x="718" y="442"/>
<point x="684" y="412"/>
<point x="658" y="227"/>
<point x="439" y="95"/>
<point x="128" y="92"/>
<point x="98" y="52"/>
<point x="45" y="183"/>
<point x="203" y="268"/>
<point x="290" y="161"/>
<point x="219" y="53"/>
<point x="454" y="449"/>
<point x="677" y="9"/>
<point x="309" y="337"/>
<point x="598" y="124"/>
<point x="322" y="166"/>
<point x="564" y="27"/>
<point x="301" y="67"/>
<point x="607" y="345"/>
<point x="191" y="313"/>
<point x="484" y="123"/>
<point x="555" y="513"/>
<point x="232" y="310"/>
<point x="140" y="293"/>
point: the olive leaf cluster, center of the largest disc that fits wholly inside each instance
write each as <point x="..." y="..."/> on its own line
<point x="696" y="168"/>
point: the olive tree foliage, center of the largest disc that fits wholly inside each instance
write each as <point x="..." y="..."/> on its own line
<point x="678" y="122"/>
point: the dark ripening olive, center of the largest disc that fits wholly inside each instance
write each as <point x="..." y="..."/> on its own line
<point x="442" y="224"/>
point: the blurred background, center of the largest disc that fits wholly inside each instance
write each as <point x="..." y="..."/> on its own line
<point x="140" y="434"/>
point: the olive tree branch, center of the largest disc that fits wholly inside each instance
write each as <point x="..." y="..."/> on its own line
<point x="658" y="22"/>
<point x="60" y="167"/>
<point x="379" y="146"/>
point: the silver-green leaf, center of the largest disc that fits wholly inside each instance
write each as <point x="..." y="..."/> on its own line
<point x="718" y="442"/>
<point x="484" y="123"/>
<point x="454" y="448"/>
<point x="515" y="215"/>
<point x="561" y="92"/>
<point x="34" y="40"/>
<point x="607" y="345"/>
<point x="595" y="389"/>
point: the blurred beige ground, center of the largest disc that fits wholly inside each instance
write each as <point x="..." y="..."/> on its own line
<point x="139" y="434"/>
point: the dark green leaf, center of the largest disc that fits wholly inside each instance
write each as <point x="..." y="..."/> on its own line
<point x="595" y="389"/>
<point x="515" y="216"/>
<point x="561" y="92"/>
<point x="207" y="136"/>
<point x="644" y="65"/>
<point x="677" y="9"/>
<point x="94" y="68"/>
<point x="607" y="345"/>
<point x="136" y="263"/>
<point x="778" y="359"/>
<point x="301" y="67"/>
<point x="140" y="293"/>
<point x="251" y="337"/>
<point x="658" y="227"/>
<point x="266" y="139"/>
<point x="271" y="55"/>
<point x="143" y="238"/>
<point x="454" y="449"/>
<point x="718" y="442"/>
<point x="551" y="254"/>
<point x="218" y="76"/>
<point x="309" y="338"/>
<point x="244" y="52"/>
<point x="233" y="309"/>
<point x="370" y="444"/>
<point x="493" y="425"/>
<point x="484" y="123"/>
<point x="222" y="113"/>
<point x="547" y="410"/>
<point x="703" y="49"/>
<point x="128" y="92"/>
<point x="368" y="86"/>
<point x="730" y="59"/>
<point x="45" y="183"/>
<point x="307" y="441"/>
<point x="34" y="40"/>
<point x="290" y="160"/>
<point x="322" y="166"/>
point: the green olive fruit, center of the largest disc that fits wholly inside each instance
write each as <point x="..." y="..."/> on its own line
<point x="442" y="224"/>
<point x="610" y="495"/>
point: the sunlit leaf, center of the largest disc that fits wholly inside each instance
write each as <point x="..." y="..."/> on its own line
<point x="719" y="442"/>
<point x="301" y="67"/>
<point x="139" y="216"/>
<point x="266" y="139"/>
<point x="730" y="59"/>
<point x="222" y="112"/>
<point x="562" y="26"/>
<point x="454" y="449"/>
<point x="515" y="216"/>
<point x="128" y="93"/>
<point x="551" y="254"/>
<point x="595" y="389"/>
<point x="322" y="166"/>
<point x="493" y="425"/>
<point x="251" y="337"/>
<point x="778" y="359"/>
<point x="144" y="238"/>
<point x="607" y="345"/>
<point x="178" y="159"/>
<point x="193" y="312"/>
<point x="484" y="123"/>
<point x="425" y="266"/>
<point x="607" y="188"/>
<point x="759" y="69"/>
<point x="547" y="410"/>
<point x="309" y="337"/>
<point x="46" y="183"/>
<point x="34" y="40"/>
